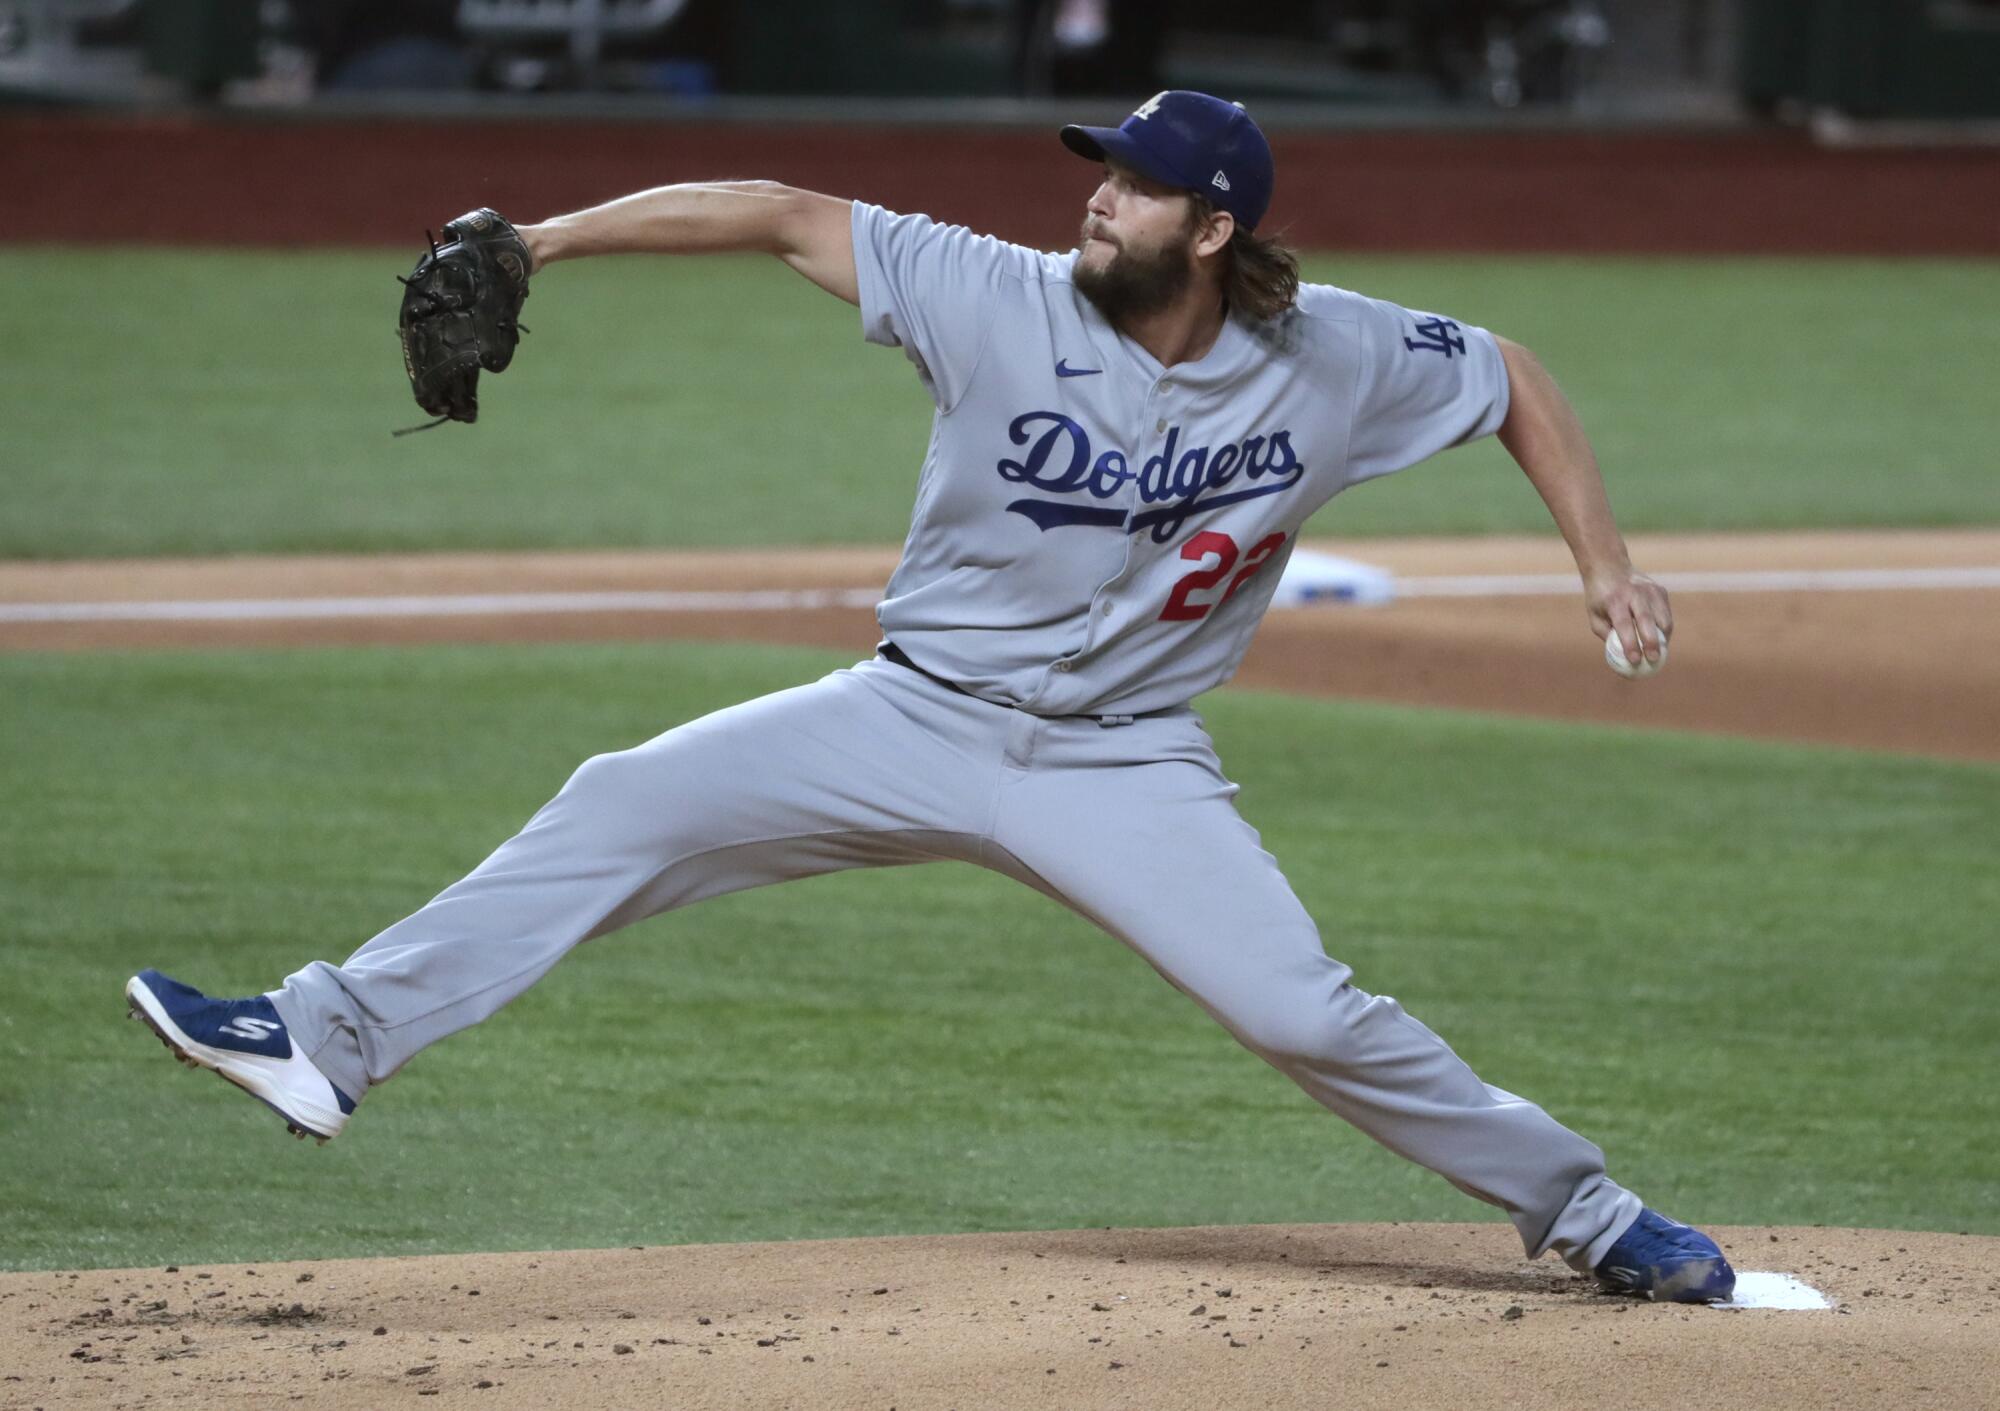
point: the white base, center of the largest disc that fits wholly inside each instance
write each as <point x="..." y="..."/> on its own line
<point x="1760" y="1289"/>
<point x="1312" y="577"/>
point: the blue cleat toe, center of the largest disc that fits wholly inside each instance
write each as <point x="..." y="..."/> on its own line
<point x="1666" y="1261"/>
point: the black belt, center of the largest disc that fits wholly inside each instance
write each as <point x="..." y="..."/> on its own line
<point x="896" y="654"/>
<point x="891" y="652"/>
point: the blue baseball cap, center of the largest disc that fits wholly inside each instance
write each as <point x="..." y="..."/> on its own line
<point x="1190" y="140"/>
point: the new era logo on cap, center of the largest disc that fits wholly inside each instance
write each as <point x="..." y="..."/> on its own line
<point x="1175" y="136"/>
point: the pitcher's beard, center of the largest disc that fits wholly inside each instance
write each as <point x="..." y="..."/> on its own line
<point x="1134" y="283"/>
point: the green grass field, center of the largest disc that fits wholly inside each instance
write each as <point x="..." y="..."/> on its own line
<point x="163" y="402"/>
<point x="1759" y="976"/>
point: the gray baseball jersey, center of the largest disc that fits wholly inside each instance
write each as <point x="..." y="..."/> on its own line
<point x="1094" y="539"/>
<point x="1095" y="533"/>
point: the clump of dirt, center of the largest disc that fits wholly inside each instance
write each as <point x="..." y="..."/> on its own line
<point x="278" y="1316"/>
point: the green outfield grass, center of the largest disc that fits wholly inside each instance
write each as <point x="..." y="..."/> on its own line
<point x="166" y="402"/>
<point x="1761" y="977"/>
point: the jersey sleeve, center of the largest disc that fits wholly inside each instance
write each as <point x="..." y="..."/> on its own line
<point x="1425" y="383"/>
<point x="930" y="290"/>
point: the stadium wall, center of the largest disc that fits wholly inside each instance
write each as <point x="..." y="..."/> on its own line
<point x="120" y="179"/>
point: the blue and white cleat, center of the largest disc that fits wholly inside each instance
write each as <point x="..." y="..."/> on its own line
<point x="1666" y="1261"/>
<point x="244" y="1041"/>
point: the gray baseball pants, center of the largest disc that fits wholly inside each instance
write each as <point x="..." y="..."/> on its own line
<point x="1132" y="826"/>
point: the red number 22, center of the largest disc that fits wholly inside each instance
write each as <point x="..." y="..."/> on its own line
<point x="1199" y="547"/>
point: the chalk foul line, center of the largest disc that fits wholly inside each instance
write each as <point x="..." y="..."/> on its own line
<point x="1801" y="580"/>
<point x="813" y="599"/>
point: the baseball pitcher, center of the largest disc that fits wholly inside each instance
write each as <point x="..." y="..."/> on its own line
<point x="1127" y="441"/>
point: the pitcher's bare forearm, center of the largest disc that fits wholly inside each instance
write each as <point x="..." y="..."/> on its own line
<point x="1544" y="436"/>
<point x="810" y="232"/>
<point x="1546" y="439"/>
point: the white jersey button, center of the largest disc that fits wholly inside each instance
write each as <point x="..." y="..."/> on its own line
<point x="1106" y="609"/>
<point x="1062" y="666"/>
<point x="1160" y="426"/>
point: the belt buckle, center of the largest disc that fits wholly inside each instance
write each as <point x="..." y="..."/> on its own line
<point x="1107" y="722"/>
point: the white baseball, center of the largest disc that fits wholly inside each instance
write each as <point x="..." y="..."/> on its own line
<point x="1614" y="657"/>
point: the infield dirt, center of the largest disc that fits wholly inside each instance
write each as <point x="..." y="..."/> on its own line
<point x="1912" y="670"/>
<point x="1306" y="1316"/>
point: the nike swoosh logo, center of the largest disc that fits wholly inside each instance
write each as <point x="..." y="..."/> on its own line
<point x="1063" y="369"/>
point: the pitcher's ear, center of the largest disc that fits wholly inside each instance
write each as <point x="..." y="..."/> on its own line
<point x="1214" y="233"/>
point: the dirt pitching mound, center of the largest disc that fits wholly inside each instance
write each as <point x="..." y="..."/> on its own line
<point x="1261" y="1316"/>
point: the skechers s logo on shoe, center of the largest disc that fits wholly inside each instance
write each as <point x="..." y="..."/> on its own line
<point x="244" y="1027"/>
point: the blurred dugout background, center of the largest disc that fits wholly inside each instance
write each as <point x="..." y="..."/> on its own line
<point x="1349" y="61"/>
